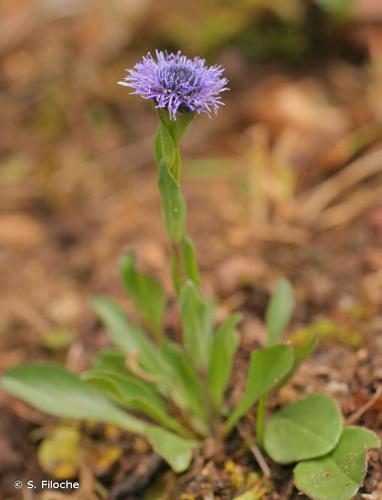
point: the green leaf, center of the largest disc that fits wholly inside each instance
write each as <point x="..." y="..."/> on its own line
<point x="176" y="127"/>
<point x="188" y="391"/>
<point x="176" y="450"/>
<point x="279" y="311"/>
<point x="224" y="345"/>
<point x="301" y="353"/>
<point x="337" y="476"/>
<point x="59" y="453"/>
<point x="267" y="367"/>
<point x="132" y="340"/>
<point x="308" y="428"/>
<point x="341" y="9"/>
<point x="111" y="360"/>
<point x="157" y="147"/>
<point x="167" y="144"/>
<point x="190" y="264"/>
<point x="147" y="294"/>
<point x="181" y="125"/>
<point x="53" y="389"/>
<point x="196" y="321"/>
<point x="133" y="394"/>
<point x="129" y="338"/>
<point x="173" y="204"/>
<point x="176" y="271"/>
<point x="123" y="334"/>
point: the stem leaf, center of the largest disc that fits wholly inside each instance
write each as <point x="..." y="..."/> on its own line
<point x="190" y="264"/>
<point x="173" y="204"/>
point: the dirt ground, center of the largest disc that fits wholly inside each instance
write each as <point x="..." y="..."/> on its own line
<point x="63" y="228"/>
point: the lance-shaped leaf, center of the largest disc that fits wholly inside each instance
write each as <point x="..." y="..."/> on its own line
<point x="339" y="475"/>
<point x="266" y="369"/>
<point x="308" y="428"/>
<point x="177" y="127"/>
<point x="173" y="204"/>
<point x="197" y="325"/>
<point x="224" y="345"/>
<point x="147" y="294"/>
<point x="134" y="394"/>
<point x="301" y="353"/>
<point x="189" y="258"/>
<point x="111" y="360"/>
<point x="279" y="311"/>
<point x="53" y="389"/>
<point x="129" y="338"/>
<point x="176" y="450"/>
<point x="167" y="144"/>
<point x="188" y="391"/>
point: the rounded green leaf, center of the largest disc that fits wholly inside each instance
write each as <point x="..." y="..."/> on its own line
<point x="337" y="476"/>
<point x="308" y="428"/>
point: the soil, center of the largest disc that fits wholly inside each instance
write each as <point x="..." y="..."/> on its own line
<point x="62" y="231"/>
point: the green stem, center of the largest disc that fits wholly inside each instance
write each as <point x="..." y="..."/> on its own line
<point x="168" y="157"/>
<point x="260" y="420"/>
<point x="177" y="267"/>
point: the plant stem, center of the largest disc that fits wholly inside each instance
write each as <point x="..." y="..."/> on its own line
<point x="177" y="266"/>
<point x="183" y="261"/>
<point x="167" y="139"/>
<point x="260" y="420"/>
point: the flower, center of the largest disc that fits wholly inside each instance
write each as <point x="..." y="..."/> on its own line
<point x="177" y="83"/>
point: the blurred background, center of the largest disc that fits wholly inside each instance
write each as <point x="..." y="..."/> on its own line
<point x="286" y="180"/>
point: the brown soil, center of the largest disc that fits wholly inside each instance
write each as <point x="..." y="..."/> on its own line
<point x="62" y="229"/>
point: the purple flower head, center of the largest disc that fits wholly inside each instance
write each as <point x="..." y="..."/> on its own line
<point x="177" y="83"/>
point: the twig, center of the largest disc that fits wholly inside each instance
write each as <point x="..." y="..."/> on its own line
<point x="256" y="452"/>
<point x="349" y="209"/>
<point x="358" y="414"/>
<point x="261" y="461"/>
<point x="313" y="202"/>
<point x="287" y="490"/>
<point x="282" y="233"/>
<point x="139" y="478"/>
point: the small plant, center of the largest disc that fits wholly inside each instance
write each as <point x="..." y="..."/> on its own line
<point x="180" y="388"/>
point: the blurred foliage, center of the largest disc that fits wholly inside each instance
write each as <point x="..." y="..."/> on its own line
<point x="59" y="453"/>
<point x="274" y="39"/>
<point x="338" y="8"/>
<point x="329" y="330"/>
<point x="261" y="29"/>
<point x="58" y="339"/>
